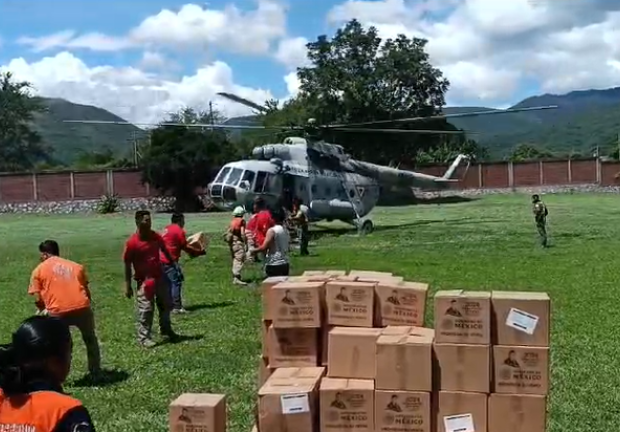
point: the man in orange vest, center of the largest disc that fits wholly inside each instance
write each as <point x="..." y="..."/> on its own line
<point x="60" y="289"/>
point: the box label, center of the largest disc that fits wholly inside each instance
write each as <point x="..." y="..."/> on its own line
<point x="522" y="321"/>
<point x="295" y="403"/>
<point x="459" y="423"/>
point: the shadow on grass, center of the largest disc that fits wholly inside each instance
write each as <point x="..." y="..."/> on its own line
<point x="106" y="377"/>
<point x="322" y="231"/>
<point x="412" y="200"/>
<point x="182" y="338"/>
<point x="202" y="306"/>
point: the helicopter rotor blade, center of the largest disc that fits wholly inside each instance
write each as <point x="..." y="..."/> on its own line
<point x="445" y="116"/>
<point x="405" y="131"/>
<point x="243" y="101"/>
<point x="200" y="125"/>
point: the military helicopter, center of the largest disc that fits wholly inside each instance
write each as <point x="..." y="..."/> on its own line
<point x="329" y="181"/>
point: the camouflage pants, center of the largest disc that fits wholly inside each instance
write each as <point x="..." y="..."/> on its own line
<point x="238" y="254"/>
<point x="541" y="226"/>
<point x="146" y="310"/>
<point x="303" y="234"/>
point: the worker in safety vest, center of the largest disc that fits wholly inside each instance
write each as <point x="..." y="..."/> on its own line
<point x="237" y="242"/>
<point x="33" y="367"/>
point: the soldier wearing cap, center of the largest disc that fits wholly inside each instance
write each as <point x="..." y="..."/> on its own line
<point x="236" y="239"/>
<point x="540" y="217"/>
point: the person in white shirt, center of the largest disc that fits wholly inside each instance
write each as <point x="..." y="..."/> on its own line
<point x="300" y="217"/>
<point x="276" y="248"/>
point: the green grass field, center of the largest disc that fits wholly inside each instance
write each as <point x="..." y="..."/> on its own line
<point x="485" y="244"/>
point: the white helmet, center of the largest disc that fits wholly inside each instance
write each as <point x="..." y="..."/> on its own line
<point x="238" y="211"/>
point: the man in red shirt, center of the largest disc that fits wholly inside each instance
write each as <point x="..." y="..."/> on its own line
<point x="261" y="222"/>
<point x="175" y="239"/>
<point x="142" y="251"/>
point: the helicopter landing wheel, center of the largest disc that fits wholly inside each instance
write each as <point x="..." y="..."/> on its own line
<point x="366" y="227"/>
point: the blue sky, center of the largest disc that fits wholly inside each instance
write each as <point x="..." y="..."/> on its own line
<point x="130" y="58"/>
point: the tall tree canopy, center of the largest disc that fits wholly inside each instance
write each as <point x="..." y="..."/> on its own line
<point x="357" y="77"/>
<point x="20" y="146"/>
<point x="180" y="159"/>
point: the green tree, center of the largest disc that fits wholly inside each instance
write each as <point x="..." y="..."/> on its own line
<point x="180" y="159"/>
<point x="528" y="152"/>
<point x="357" y="77"/>
<point x="20" y="146"/>
<point x="101" y="159"/>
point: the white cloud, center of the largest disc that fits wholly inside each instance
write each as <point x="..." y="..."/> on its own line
<point x="153" y="60"/>
<point x="191" y="27"/>
<point x="131" y="93"/>
<point x="487" y="48"/>
<point x="292" y="52"/>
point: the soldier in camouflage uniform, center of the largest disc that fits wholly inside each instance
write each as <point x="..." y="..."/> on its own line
<point x="236" y="238"/>
<point x="540" y="216"/>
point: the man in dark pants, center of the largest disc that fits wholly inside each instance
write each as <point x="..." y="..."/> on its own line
<point x="540" y="216"/>
<point x="175" y="238"/>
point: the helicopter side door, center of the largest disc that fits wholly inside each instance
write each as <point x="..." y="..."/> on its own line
<point x="269" y="186"/>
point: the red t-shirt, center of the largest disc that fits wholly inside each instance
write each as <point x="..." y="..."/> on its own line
<point x="144" y="256"/>
<point x="175" y="239"/>
<point x="264" y="221"/>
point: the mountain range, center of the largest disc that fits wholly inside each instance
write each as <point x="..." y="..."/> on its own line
<point x="583" y="121"/>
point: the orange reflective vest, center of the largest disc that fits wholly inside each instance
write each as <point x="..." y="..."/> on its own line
<point x="39" y="411"/>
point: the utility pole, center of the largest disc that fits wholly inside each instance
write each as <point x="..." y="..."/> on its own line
<point x="135" y="149"/>
<point x="212" y="120"/>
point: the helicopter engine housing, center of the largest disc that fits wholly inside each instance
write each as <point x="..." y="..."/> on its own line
<point x="333" y="209"/>
<point x="271" y="151"/>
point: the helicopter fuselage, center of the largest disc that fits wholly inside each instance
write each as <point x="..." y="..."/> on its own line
<point x="327" y="193"/>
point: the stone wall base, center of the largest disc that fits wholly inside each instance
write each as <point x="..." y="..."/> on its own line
<point x="163" y="204"/>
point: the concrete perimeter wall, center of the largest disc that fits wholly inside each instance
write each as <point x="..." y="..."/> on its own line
<point x="76" y="191"/>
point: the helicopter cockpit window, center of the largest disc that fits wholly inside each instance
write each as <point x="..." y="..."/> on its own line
<point x="248" y="176"/>
<point x="260" y="181"/>
<point x="222" y="175"/>
<point x="234" y="177"/>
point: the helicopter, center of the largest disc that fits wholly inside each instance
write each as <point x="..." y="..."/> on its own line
<point x="332" y="184"/>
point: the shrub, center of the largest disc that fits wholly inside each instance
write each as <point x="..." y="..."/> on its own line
<point x="108" y="203"/>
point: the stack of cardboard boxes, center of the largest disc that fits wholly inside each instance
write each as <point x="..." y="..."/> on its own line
<point x="350" y="352"/>
<point x="520" y="361"/>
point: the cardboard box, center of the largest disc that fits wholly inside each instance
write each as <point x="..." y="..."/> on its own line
<point x="266" y="286"/>
<point x="347" y="404"/>
<point x="521" y="370"/>
<point x="400" y="303"/>
<point x="292" y="347"/>
<point x="351" y="352"/>
<point x="461" y="412"/>
<point x="405" y="361"/>
<point x="402" y="411"/>
<point x="335" y="273"/>
<point x="325" y="344"/>
<point x="366" y="273"/>
<point x="199" y="239"/>
<point x="296" y="304"/>
<point x="264" y="337"/>
<point x="264" y="371"/>
<point x="313" y="273"/>
<point x="346" y="278"/>
<point x="313" y="373"/>
<point x="463" y="317"/>
<point x="521" y="318"/>
<point x="288" y="401"/>
<point x="350" y="304"/>
<point x="524" y="413"/>
<point x="464" y="368"/>
<point x="389" y="279"/>
<point x="194" y="411"/>
<point x="397" y="330"/>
